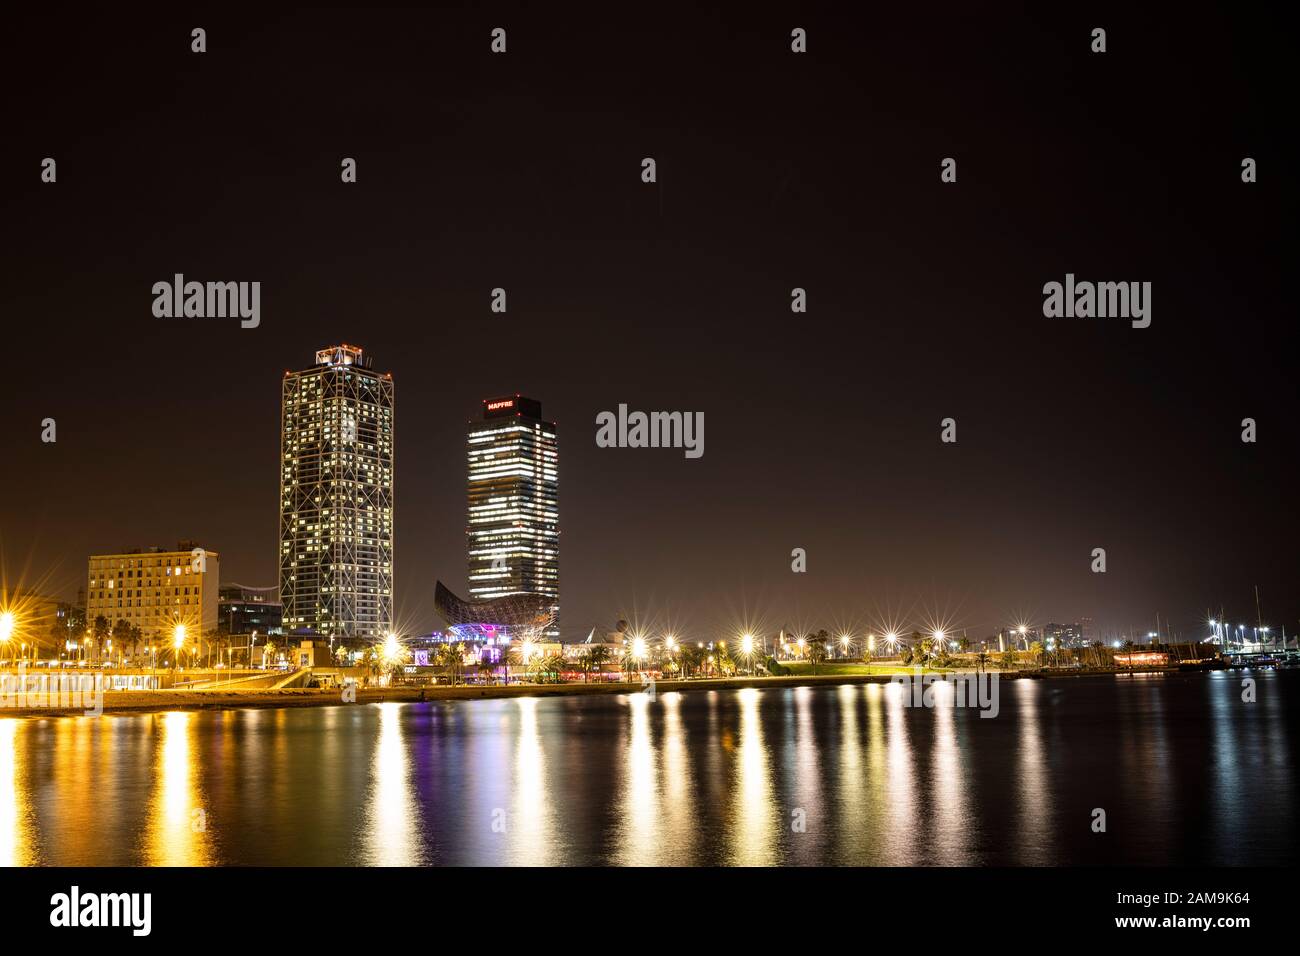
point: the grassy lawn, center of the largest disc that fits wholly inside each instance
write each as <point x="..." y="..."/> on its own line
<point x="848" y="668"/>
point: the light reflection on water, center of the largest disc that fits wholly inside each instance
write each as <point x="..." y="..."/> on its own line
<point x="844" y="774"/>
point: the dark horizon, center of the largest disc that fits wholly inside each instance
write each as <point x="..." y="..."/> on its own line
<point x="775" y="171"/>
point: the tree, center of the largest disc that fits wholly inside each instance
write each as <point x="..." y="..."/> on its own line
<point x="552" y="668"/>
<point x="921" y="649"/>
<point x="691" y="657"/>
<point x="597" y="657"/>
<point x="101" y="628"/>
<point x="981" y="661"/>
<point x="450" y="657"/>
<point x="816" y="650"/>
<point x="1036" y="652"/>
<point x="1008" y="659"/>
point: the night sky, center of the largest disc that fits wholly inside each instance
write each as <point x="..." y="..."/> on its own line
<point x="775" y="170"/>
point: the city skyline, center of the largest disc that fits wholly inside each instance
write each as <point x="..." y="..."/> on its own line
<point x="873" y="612"/>
<point x="824" y="428"/>
<point x="784" y="438"/>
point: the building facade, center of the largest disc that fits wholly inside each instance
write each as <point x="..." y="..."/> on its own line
<point x="513" y="532"/>
<point x="336" y="498"/>
<point x="155" y="590"/>
<point x="1064" y="635"/>
<point x="244" y="610"/>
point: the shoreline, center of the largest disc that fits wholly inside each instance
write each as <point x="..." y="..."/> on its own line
<point x="128" y="702"/>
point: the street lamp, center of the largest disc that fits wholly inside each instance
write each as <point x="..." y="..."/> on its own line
<point x="178" y="642"/>
<point x="638" y="650"/>
<point x="747" y="649"/>
<point x="7" y="628"/>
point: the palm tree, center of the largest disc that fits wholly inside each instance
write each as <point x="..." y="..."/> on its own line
<point x="597" y="657"/>
<point x="1036" y="651"/>
<point x="981" y="661"/>
<point x="507" y="651"/>
<point x="816" y="651"/>
<point x="690" y="655"/>
<point x="449" y="657"/>
<point x="553" y="667"/>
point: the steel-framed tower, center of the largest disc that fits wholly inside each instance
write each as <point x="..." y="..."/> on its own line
<point x="336" y="498"/>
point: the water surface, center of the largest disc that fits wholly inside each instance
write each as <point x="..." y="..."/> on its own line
<point x="1185" y="771"/>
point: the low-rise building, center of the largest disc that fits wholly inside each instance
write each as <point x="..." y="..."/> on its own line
<point x="154" y="590"/>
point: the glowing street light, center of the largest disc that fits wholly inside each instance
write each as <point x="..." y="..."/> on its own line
<point x="178" y="642"/>
<point x="747" y="650"/>
<point x="7" y="627"/>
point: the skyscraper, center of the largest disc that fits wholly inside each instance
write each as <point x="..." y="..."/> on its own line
<point x="336" y="497"/>
<point x="514" y="504"/>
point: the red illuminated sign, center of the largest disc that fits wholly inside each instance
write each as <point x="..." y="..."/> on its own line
<point x="504" y="403"/>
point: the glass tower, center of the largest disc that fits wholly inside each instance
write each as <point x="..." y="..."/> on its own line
<point x="514" y="505"/>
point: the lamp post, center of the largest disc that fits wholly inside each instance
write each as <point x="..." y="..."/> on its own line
<point x="638" y="650"/>
<point x="178" y="644"/>
<point x="7" y="628"/>
<point x="747" y="650"/>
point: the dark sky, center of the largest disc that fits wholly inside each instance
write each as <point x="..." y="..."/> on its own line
<point x="775" y="170"/>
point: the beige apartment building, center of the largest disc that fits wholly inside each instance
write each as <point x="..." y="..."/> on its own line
<point x="154" y="590"/>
